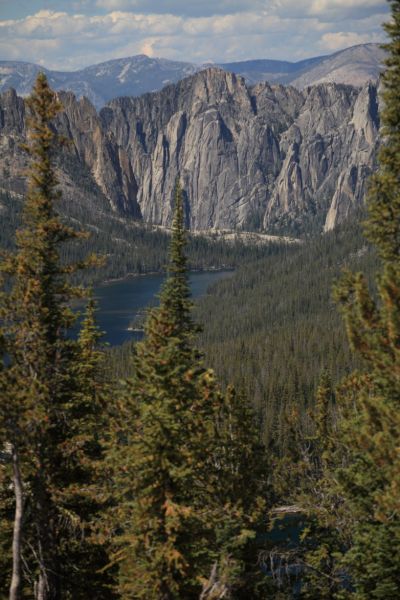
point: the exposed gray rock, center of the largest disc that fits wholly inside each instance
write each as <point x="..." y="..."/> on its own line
<point x="13" y="163"/>
<point x="330" y="151"/>
<point x="359" y="157"/>
<point x="266" y="156"/>
<point x="270" y="154"/>
<point x="96" y="147"/>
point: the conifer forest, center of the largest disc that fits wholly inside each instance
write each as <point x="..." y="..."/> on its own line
<point x="248" y="445"/>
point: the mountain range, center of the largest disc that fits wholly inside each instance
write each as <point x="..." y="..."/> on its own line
<point x="137" y="75"/>
<point x="267" y="157"/>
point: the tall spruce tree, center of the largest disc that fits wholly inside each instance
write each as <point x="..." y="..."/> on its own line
<point x="179" y="459"/>
<point x="369" y="481"/>
<point x="239" y="469"/>
<point x="46" y="411"/>
<point x="83" y="497"/>
<point x="164" y="429"/>
<point x="324" y="536"/>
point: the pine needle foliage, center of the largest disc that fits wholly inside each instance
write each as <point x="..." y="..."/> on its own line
<point x="181" y="454"/>
<point x="47" y="400"/>
<point x="164" y="430"/>
<point x="241" y="494"/>
<point x="368" y="440"/>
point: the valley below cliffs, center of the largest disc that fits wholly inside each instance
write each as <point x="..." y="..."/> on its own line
<point x="265" y="157"/>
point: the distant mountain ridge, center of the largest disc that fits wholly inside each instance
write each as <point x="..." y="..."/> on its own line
<point x="137" y="75"/>
<point x="352" y="66"/>
<point x="274" y="71"/>
<point x="99" y="83"/>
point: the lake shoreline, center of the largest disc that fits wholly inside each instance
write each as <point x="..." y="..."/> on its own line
<point x="123" y="302"/>
<point x="147" y="273"/>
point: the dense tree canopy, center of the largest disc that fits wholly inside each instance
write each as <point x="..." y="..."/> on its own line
<point x="48" y="400"/>
<point x="168" y="485"/>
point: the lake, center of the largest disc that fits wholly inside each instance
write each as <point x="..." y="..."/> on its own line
<point x="120" y="302"/>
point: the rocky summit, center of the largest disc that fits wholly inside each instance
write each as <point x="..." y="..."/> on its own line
<point x="263" y="157"/>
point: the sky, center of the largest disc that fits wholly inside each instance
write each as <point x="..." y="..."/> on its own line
<point x="69" y="35"/>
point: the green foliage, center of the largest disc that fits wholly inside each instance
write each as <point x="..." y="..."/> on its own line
<point x="242" y="490"/>
<point x="365" y="471"/>
<point x="382" y="226"/>
<point x="184" y="500"/>
<point x="188" y="481"/>
<point x="49" y="409"/>
<point x="128" y="246"/>
<point x="272" y="327"/>
<point x="85" y="553"/>
<point x="164" y="428"/>
<point x="371" y="481"/>
<point x="299" y="479"/>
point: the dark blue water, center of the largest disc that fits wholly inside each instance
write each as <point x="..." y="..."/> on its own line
<point x="121" y="302"/>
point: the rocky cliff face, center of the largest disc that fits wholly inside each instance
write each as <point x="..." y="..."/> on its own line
<point x="266" y="156"/>
<point x="96" y="147"/>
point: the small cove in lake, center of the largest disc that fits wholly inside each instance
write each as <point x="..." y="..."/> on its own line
<point x="121" y="301"/>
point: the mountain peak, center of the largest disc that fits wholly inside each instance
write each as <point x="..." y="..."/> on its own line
<point x="136" y="75"/>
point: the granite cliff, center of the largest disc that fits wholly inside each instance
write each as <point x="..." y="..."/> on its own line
<point x="266" y="156"/>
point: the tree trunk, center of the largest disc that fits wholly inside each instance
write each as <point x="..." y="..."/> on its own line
<point x="48" y="582"/>
<point x="44" y="590"/>
<point x="43" y="541"/>
<point x="214" y="589"/>
<point x="15" y="586"/>
<point x="41" y="589"/>
<point x="47" y="587"/>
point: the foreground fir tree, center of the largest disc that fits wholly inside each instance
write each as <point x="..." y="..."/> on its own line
<point x="326" y="533"/>
<point x="165" y="428"/>
<point x="49" y="404"/>
<point x="171" y="454"/>
<point x="240" y="471"/>
<point x="367" y="473"/>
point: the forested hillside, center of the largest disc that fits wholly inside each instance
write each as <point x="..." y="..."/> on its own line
<point x="273" y="328"/>
<point x="129" y="247"/>
<point x="254" y="459"/>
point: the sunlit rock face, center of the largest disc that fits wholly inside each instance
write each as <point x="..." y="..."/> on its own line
<point x="265" y="156"/>
<point x="248" y="156"/>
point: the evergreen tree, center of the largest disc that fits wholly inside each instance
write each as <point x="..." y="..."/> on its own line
<point x="181" y="452"/>
<point x="323" y="538"/>
<point x="299" y="476"/>
<point x="164" y="429"/>
<point x="239" y="469"/>
<point x="368" y="441"/>
<point x="46" y="412"/>
<point x="84" y="496"/>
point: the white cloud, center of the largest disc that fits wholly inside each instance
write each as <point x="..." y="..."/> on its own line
<point x="344" y="39"/>
<point x="186" y="8"/>
<point x="318" y="6"/>
<point x="66" y="41"/>
<point x="330" y="10"/>
<point x="29" y="50"/>
<point x="147" y="48"/>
